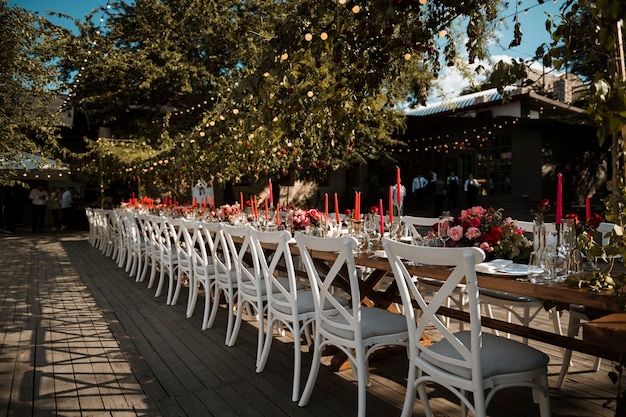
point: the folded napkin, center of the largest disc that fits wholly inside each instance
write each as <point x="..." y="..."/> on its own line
<point x="494" y="266"/>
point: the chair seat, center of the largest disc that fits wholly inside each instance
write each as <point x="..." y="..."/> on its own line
<point x="305" y="303"/>
<point x="498" y="356"/>
<point x="374" y="321"/>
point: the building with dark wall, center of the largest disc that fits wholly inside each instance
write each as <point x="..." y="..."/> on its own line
<point x="515" y="147"/>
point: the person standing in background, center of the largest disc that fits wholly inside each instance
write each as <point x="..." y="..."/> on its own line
<point x="452" y="185"/>
<point x="440" y="195"/>
<point x="54" y="205"/>
<point x="39" y="198"/>
<point x="419" y="190"/>
<point x="471" y="187"/>
<point x="67" y="200"/>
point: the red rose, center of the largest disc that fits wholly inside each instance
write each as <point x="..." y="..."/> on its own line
<point x="496" y="233"/>
<point x="474" y="222"/>
<point x="374" y="209"/>
<point x="595" y="220"/>
<point x="315" y="215"/>
<point x="544" y="205"/>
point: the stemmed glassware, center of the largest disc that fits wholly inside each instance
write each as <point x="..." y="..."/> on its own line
<point x="370" y="228"/>
<point x="393" y="228"/>
<point x="567" y="242"/>
<point x="554" y="262"/>
<point x="443" y="227"/>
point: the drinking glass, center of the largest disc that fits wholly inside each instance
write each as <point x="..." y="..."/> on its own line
<point x="393" y="228"/>
<point x="567" y="235"/>
<point x="554" y="262"/>
<point x="443" y="227"/>
<point x="536" y="271"/>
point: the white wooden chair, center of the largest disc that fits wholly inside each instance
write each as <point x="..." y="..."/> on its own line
<point x="225" y="279"/>
<point x="289" y="303"/>
<point x="472" y="365"/>
<point x="205" y="236"/>
<point x="356" y="331"/>
<point x="430" y="286"/>
<point x="251" y="291"/>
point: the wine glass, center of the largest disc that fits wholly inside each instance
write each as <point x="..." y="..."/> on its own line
<point x="392" y="227"/>
<point x="554" y="262"/>
<point x="443" y="227"/>
<point x="567" y="237"/>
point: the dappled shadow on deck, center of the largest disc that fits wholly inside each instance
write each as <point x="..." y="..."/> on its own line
<point x="80" y="337"/>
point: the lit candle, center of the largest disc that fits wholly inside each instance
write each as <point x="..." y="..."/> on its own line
<point x="336" y="208"/>
<point x="587" y="209"/>
<point x="381" y="215"/>
<point x="390" y="204"/>
<point x="398" y="193"/>
<point x="326" y="206"/>
<point x="559" y="198"/>
<point x="271" y="193"/>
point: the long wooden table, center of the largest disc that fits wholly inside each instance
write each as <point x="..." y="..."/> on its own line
<point x="372" y="292"/>
<point x="600" y="301"/>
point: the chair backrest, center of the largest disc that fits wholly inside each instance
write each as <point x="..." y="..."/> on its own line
<point x="463" y="262"/>
<point x="202" y="246"/>
<point x="417" y="226"/>
<point x="244" y="261"/>
<point x="147" y="232"/>
<point x="186" y="242"/>
<point x="131" y="228"/>
<point x="163" y="235"/>
<point x="604" y="229"/>
<point x="341" y="321"/>
<point x="273" y="254"/>
<point x="215" y="239"/>
<point x="174" y="239"/>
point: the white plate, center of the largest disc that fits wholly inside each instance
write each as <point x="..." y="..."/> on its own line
<point x="502" y="267"/>
<point x="517" y="270"/>
<point x="380" y="253"/>
<point x="492" y="267"/>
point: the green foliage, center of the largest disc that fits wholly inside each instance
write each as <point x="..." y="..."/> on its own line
<point x="237" y="90"/>
<point x="27" y="83"/>
<point x="584" y="41"/>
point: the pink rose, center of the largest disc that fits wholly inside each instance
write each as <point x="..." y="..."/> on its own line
<point x="486" y="247"/>
<point x="474" y="222"/>
<point x="455" y="233"/>
<point x="472" y="233"/>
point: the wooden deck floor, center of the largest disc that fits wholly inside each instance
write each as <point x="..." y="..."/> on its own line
<point x="81" y="338"/>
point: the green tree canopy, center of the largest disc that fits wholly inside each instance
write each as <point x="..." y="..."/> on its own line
<point x="234" y="89"/>
<point x="28" y="83"/>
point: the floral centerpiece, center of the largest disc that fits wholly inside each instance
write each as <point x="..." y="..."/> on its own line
<point x="311" y="221"/>
<point x="226" y="213"/>
<point x="488" y="229"/>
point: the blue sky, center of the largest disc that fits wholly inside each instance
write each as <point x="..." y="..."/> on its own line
<point x="531" y="13"/>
